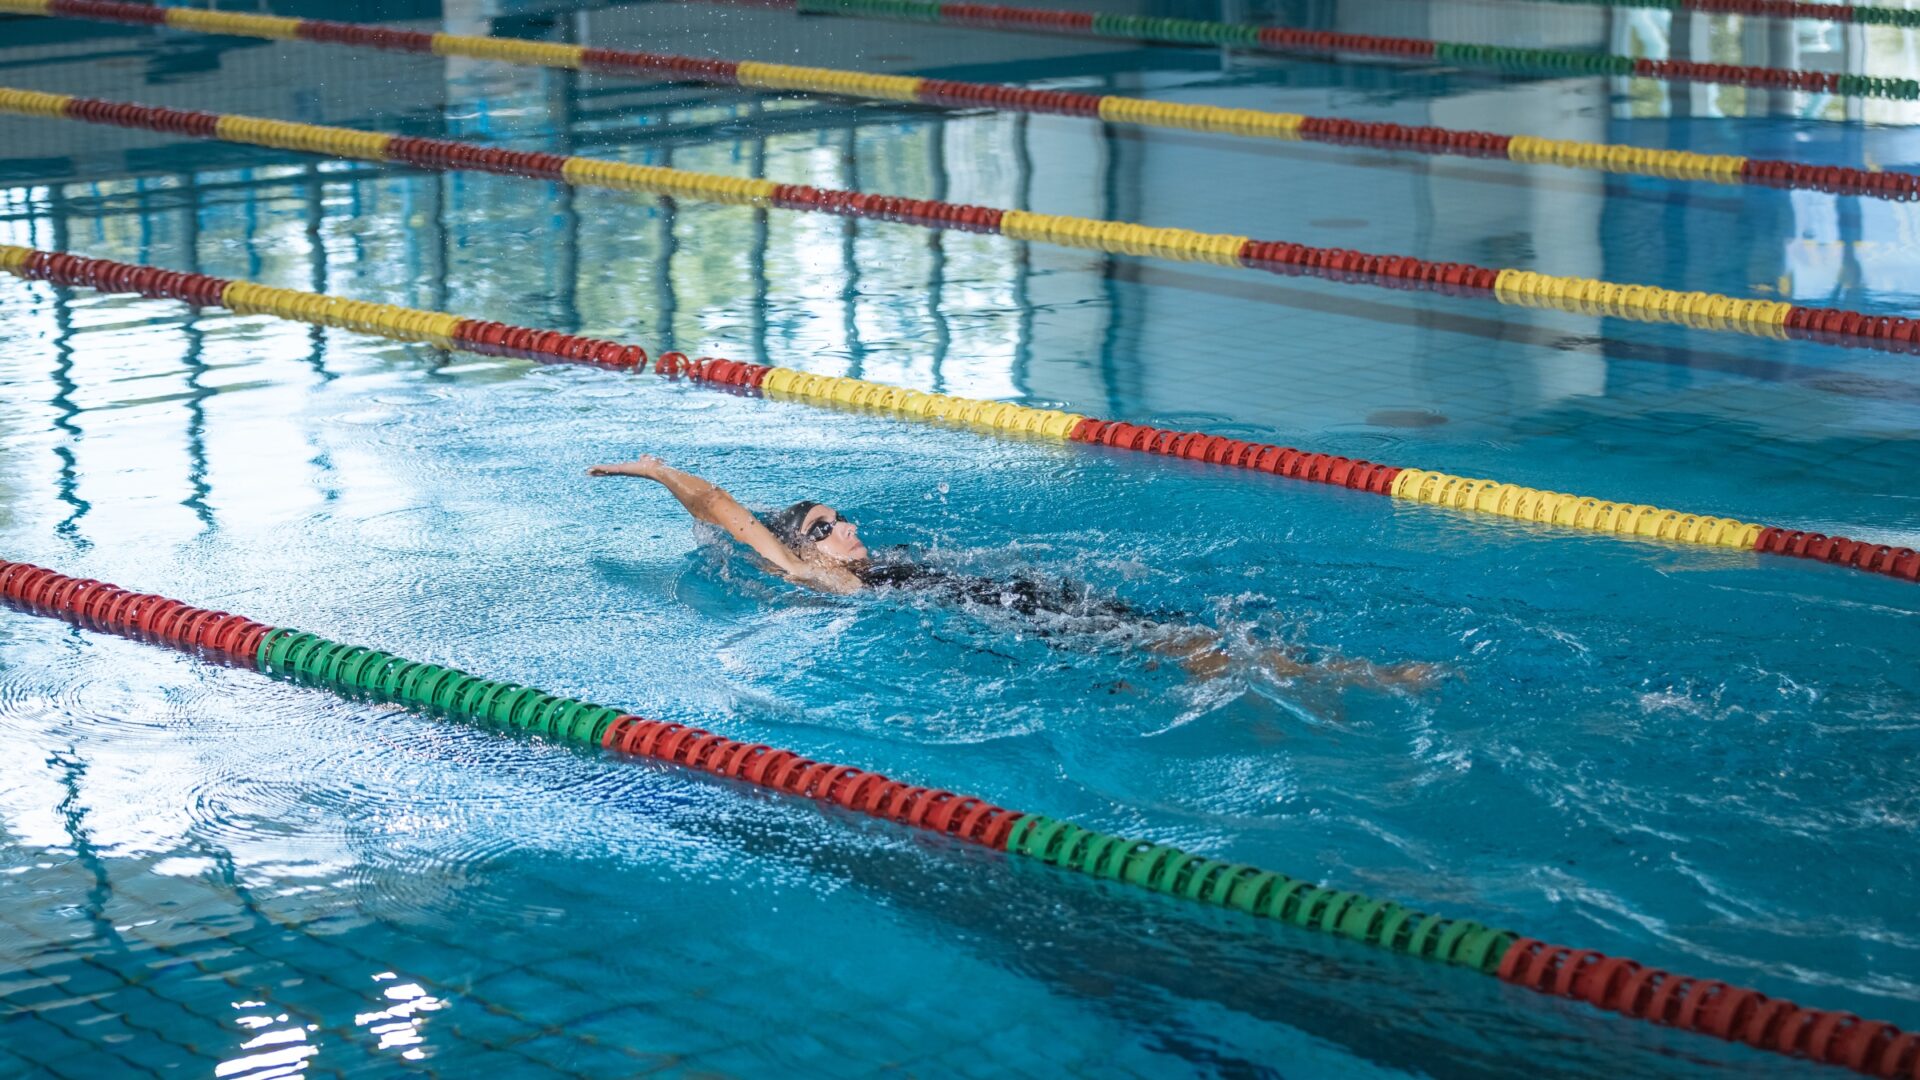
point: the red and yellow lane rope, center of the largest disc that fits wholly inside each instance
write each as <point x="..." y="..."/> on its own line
<point x="1433" y="488"/>
<point x="1113" y="108"/>
<point x="1706" y="1006"/>
<point x="1523" y="288"/>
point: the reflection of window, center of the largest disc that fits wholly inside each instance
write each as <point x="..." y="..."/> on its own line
<point x="1870" y="248"/>
<point x="1817" y="37"/>
<point x="1813" y="258"/>
<point x="1641" y="32"/>
<point x="1886" y="50"/>
<point x="1734" y="39"/>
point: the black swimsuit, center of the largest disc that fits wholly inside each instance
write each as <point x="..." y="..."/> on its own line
<point x="1033" y="599"/>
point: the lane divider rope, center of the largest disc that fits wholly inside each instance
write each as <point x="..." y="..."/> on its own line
<point x="1776" y="9"/>
<point x="1112" y="108"/>
<point x="361" y="672"/>
<point x="1432" y="488"/>
<point x="1524" y="288"/>
<point x="1168" y="31"/>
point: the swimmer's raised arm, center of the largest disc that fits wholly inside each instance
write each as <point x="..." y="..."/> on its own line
<point x="713" y="505"/>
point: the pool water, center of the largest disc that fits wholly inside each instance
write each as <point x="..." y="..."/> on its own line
<point x="1705" y="760"/>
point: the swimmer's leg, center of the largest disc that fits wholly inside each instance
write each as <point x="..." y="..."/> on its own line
<point x="1347" y="671"/>
<point x="1201" y="655"/>
<point x="1198" y="652"/>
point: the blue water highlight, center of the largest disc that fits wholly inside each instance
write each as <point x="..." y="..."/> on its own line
<point x="1702" y="759"/>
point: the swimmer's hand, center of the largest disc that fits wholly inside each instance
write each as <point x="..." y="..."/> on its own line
<point x="646" y="467"/>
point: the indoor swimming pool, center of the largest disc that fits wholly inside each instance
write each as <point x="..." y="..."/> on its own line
<point x="1683" y="736"/>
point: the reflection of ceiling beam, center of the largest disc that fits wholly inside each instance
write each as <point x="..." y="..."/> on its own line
<point x="66" y="410"/>
<point x="1023" y="259"/>
<point x="215" y="156"/>
<point x="62" y="171"/>
<point x="193" y="360"/>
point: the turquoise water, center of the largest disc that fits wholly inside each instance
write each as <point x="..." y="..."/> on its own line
<point x="1700" y="759"/>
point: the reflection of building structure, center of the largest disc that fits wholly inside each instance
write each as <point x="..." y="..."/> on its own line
<point x="1829" y="242"/>
<point x="1424" y="205"/>
<point x="948" y="311"/>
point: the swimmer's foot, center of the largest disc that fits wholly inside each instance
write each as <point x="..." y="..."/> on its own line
<point x="1415" y="675"/>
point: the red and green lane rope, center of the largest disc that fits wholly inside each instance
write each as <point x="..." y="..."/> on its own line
<point x="1509" y="286"/>
<point x="1111" y="108"/>
<point x="361" y="672"/>
<point x="1861" y="14"/>
<point x="1170" y="31"/>
<point x="1001" y="418"/>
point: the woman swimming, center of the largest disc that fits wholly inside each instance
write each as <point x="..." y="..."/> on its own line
<point x="811" y="544"/>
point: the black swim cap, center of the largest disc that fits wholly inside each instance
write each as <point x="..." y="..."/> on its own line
<point x="785" y="524"/>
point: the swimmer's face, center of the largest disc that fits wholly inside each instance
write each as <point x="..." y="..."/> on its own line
<point x="833" y="536"/>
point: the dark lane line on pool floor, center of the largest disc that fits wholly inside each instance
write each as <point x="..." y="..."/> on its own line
<point x="1826" y="380"/>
